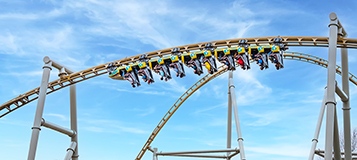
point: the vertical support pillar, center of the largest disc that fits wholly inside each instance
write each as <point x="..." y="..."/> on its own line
<point x="73" y="110"/>
<point x="235" y="110"/>
<point x="336" y="139"/>
<point x="39" y="111"/>
<point x="70" y="151"/>
<point x="318" y="128"/>
<point x="346" y="105"/>
<point x="154" y="154"/>
<point x="229" y="117"/>
<point x="331" y="77"/>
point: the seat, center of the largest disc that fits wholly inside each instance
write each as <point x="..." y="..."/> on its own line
<point x="161" y="66"/>
<point x="277" y="48"/>
<point x="225" y="56"/>
<point x="209" y="59"/>
<point x="131" y="75"/>
<point x="145" y="72"/>
<point x="176" y="63"/>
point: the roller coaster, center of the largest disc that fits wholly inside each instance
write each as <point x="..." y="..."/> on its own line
<point x="89" y="73"/>
<point x="231" y="53"/>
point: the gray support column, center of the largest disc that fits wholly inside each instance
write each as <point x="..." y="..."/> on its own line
<point x="154" y="157"/>
<point x="331" y="77"/>
<point x="229" y="118"/>
<point x="336" y="139"/>
<point x="318" y="128"/>
<point x="39" y="111"/>
<point x="236" y="117"/>
<point x="346" y="105"/>
<point x="58" y="128"/>
<point x="73" y="101"/>
<point x="70" y="151"/>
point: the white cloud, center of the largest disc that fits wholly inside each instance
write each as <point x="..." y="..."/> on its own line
<point x="141" y="91"/>
<point x="223" y="105"/>
<point x="291" y="150"/>
<point x="249" y="90"/>
<point x="94" y="129"/>
<point x="145" y="111"/>
<point x="111" y="126"/>
<point x="19" y="16"/>
<point x="60" y="116"/>
<point x="22" y="74"/>
<point x="263" y="119"/>
<point x="8" y="43"/>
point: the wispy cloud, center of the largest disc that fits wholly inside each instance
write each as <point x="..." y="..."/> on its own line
<point x="263" y="118"/>
<point x="111" y="126"/>
<point x="23" y="74"/>
<point x="19" y="16"/>
<point x="223" y="105"/>
<point x="59" y="116"/>
<point x="94" y="129"/>
<point x="141" y="91"/>
<point x="249" y="89"/>
<point x="291" y="150"/>
<point x="145" y="111"/>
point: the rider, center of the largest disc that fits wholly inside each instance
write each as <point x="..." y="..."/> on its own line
<point x="159" y="69"/>
<point x="240" y="62"/>
<point x="259" y="62"/>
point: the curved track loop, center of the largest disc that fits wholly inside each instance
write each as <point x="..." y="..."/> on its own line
<point x="316" y="60"/>
<point x="287" y="55"/>
<point x="177" y="104"/>
<point x="53" y="86"/>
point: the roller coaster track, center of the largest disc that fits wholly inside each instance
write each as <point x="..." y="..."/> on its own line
<point x="53" y="86"/>
<point x="86" y="74"/>
<point x="222" y="69"/>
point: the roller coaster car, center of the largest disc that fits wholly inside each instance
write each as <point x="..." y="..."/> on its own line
<point x="145" y="72"/>
<point x="132" y="74"/>
<point x="161" y="66"/>
<point x="209" y="61"/>
<point x="260" y="54"/>
<point x="225" y="56"/>
<point x="241" y="57"/>
<point x="116" y="73"/>
<point x="277" y="48"/>
<point x="192" y="60"/>
<point x="176" y="63"/>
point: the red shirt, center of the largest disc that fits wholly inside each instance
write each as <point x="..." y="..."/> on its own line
<point x="240" y="62"/>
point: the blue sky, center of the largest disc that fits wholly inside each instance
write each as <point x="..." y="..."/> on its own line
<point x="278" y="109"/>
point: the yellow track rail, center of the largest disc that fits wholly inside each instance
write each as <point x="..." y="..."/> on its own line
<point x="53" y="86"/>
<point x="208" y="77"/>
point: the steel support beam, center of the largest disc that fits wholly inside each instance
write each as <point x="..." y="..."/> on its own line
<point x="196" y="152"/>
<point x="58" y="128"/>
<point x="341" y="93"/>
<point x="331" y="77"/>
<point x="57" y="65"/>
<point x="39" y="111"/>
<point x="70" y="151"/>
<point x="73" y="150"/>
<point x="155" y="154"/>
<point x="336" y="139"/>
<point x="73" y="110"/>
<point x="236" y="117"/>
<point x="229" y="119"/>
<point x="346" y="104"/>
<point x="318" y="128"/>
<point x="234" y="154"/>
<point x="196" y="156"/>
